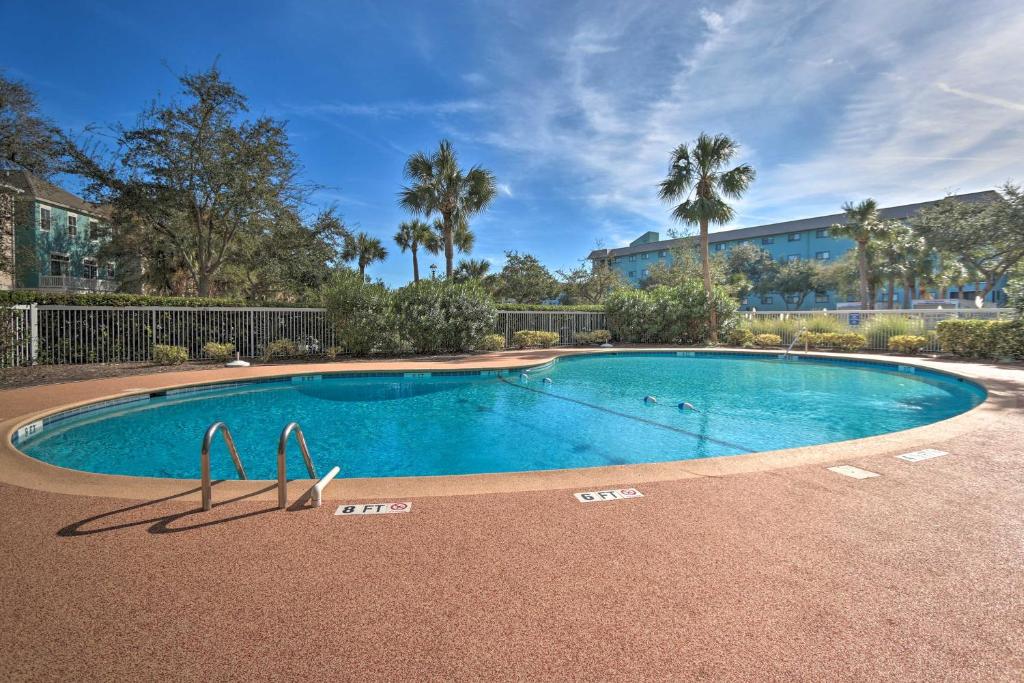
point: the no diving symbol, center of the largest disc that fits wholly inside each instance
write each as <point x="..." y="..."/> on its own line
<point x="629" y="492"/>
<point x="399" y="506"/>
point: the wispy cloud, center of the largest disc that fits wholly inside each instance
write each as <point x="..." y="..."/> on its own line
<point x="391" y="109"/>
<point x="984" y="99"/>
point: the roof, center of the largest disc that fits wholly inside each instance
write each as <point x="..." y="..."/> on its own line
<point x="799" y="225"/>
<point x="37" y="188"/>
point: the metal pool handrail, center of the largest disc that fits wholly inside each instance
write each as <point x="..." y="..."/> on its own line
<point x="282" y="444"/>
<point x="204" y="460"/>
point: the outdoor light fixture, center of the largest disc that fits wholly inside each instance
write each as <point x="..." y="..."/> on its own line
<point x="433" y="271"/>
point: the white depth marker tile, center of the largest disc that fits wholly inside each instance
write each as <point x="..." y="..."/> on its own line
<point x="609" y="494"/>
<point x="918" y="456"/>
<point x="373" y="508"/>
<point x="851" y="471"/>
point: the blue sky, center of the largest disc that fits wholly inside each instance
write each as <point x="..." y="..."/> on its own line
<point x="574" y="106"/>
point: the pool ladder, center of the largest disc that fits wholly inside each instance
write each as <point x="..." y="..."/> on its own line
<point x="282" y="478"/>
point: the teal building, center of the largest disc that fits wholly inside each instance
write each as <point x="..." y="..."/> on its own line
<point x="54" y="238"/>
<point x="803" y="239"/>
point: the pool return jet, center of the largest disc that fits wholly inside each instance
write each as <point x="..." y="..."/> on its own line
<point x="315" y="493"/>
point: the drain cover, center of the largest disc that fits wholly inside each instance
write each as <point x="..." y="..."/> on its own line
<point x="918" y="456"/>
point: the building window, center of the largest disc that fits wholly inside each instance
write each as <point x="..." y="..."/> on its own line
<point x="95" y="230"/>
<point x="822" y="256"/>
<point x="821" y="297"/>
<point x="663" y="253"/>
<point x="767" y="240"/>
<point x="794" y="237"/>
<point x="793" y="258"/>
<point x="821" y="232"/>
<point x="632" y="257"/>
<point x="44" y="219"/>
<point x="792" y="298"/>
<point x="645" y="273"/>
<point x="767" y="299"/>
<point x="90" y="269"/>
<point x="719" y="246"/>
<point x="644" y="255"/>
<point x="745" y="301"/>
<point x="72" y="225"/>
<point x="632" y="273"/>
<point x="60" y="264"/>
<point x="110" y="269"/>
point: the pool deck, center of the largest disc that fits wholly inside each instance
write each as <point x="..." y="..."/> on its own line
<point x="756" y="567"/>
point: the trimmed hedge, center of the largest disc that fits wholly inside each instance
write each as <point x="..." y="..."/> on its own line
<point x="440" y="316"/>
<point x="907" y="343"/>
<point x="218" y="352"/>
<point x="527" y="338"/>
<point x="766" y="340"/>
<point x="739" y="336"/>
<point x="594" y="337"/>
<point x="982" y="338"/>
<point x="667" y="315"/>
<point x="491" y="342"/>
<point x="840" y="341"/>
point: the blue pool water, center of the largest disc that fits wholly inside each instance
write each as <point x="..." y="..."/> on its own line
<point x="591" y="414"/>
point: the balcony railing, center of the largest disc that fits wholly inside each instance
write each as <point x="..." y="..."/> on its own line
<point x="76" y="284"/>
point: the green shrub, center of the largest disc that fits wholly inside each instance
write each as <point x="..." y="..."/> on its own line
<point x="907" y="343"/>
<point x="441" y="316"/>
<point x="169" y="355"/>
<point x="362" y="314"/>
<point x="739" y="336"/>
<point x="525" y="339"/>
<point x="280" y="348"/>
<point x="332" y="352"/>
<point x="218" y="352"/>
<point x="667" y="315"/>
<point x="594" y="337"/>
<point x="982" y="338"/>
<point x="840" y="341"/>
<point x="766" y="340"/>
<point x="822" y="323"/>
<point x="492" y="342"/>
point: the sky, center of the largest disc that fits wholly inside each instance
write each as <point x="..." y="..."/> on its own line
<point x="575" y="106"/>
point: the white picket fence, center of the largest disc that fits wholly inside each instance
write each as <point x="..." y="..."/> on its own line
<point x="115" y="334"/>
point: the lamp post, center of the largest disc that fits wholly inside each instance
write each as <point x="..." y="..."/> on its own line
<point x="433" y="271"/>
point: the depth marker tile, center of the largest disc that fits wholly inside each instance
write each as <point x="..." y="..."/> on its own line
<point x="851" y="471"/>
<point x="918" y="456"/>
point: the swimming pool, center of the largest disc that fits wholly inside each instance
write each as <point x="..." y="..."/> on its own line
<point x="578" y="411"/>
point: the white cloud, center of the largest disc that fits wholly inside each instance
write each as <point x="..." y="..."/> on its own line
<point x="830" y="101"/>
<point x="505" y="189"/>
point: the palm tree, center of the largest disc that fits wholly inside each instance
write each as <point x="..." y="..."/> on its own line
<point x="472" y="269"/>
<point x="862" y="225"/>
<point x="438" y="186"/>
<point x="364" y="250"/>
<point x="695" y="175"/>
<point x="411" y="236"/>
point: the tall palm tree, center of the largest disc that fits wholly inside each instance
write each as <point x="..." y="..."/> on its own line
<point x="696" y="176"/>
<point x="411" y="236"/>
<point x="438" y="186"/>
<point x="364" y="250"/>
<point x="472" y="269"/>
<point x="862" y="225"/>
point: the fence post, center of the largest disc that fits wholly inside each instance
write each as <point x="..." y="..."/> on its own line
<point x="33" y="315"/>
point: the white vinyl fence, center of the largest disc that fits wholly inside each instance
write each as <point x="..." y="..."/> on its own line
<point x="876" y="326"/>
<point x="114" y="334"/>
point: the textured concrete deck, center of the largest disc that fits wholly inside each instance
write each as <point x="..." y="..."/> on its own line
<point x="791" y="573"/>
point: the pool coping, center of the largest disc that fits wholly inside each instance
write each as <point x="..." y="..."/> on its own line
<point x="22" y="470"/>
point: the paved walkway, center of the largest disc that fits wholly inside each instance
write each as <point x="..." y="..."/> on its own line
<point x="787" y="574"/>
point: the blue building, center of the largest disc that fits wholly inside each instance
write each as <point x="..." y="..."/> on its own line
<point x="803" y="239"/>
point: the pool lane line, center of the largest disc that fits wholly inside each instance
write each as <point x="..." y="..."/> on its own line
<point x="629" y="417"/>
